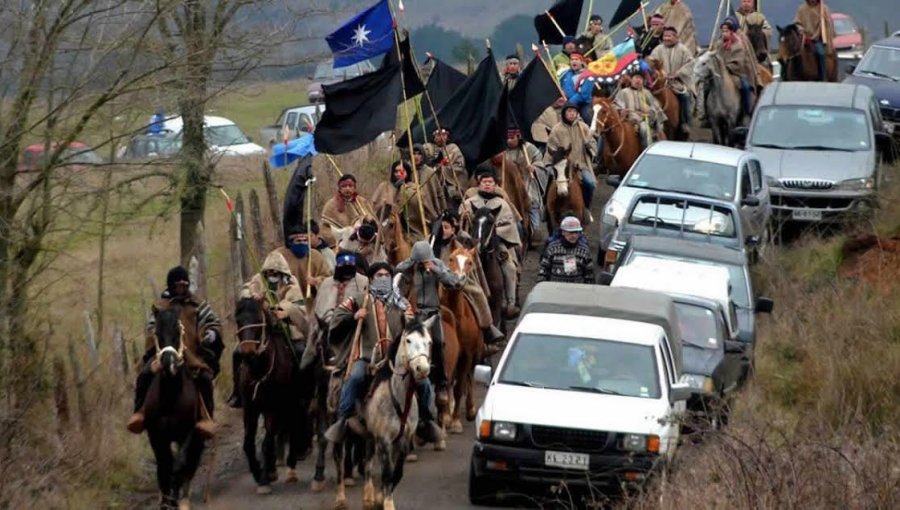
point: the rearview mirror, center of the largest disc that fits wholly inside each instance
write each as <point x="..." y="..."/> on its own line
<point x="605" y="278"/>
<point x="734" y="347"/>
<point x="483" y="374"/>
<point x="614" y="180"/>
<point x="750" y="201"/>
<point x="680" y="391"/>
<point x="739" y="136"/>
<point x="764" y="305"/>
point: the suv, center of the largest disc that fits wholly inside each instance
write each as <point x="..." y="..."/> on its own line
<point x="296" y="120"/>
<point x="326" y="74"/>
<point x="819" y="145"/>
<point x="586" y="393"/>
<point x="223" y="137"/>
<point x="879" y="69"/>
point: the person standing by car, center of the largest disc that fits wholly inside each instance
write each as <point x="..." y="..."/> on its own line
<point x="567" y="259"/>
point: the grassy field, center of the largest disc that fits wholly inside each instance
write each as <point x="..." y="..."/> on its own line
<point x="254" y="105"/>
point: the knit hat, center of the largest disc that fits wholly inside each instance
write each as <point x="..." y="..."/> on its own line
<point x="570" y="224"/>
<point x="568" y="39"/>
<point x="177" y="274"/>
<point x="732" y="23"/>
<point x="421" y="251"/>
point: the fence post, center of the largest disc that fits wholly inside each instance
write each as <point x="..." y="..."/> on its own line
<point x="243" y="242"/>
<point x="91" y="340"/>
<point x="78" y="378"/>
<point x="60" y="395"/>
<point x="259" y="236"/>
<point x="274" y="204"/>
<point x="119" y="349"/>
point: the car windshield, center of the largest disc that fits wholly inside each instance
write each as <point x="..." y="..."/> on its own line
<point x="881" y="60"/>
<point x="811" y="127"/>
<point x="698" y="325"/>
<point x="222" y="136"/>
<point x="668" y="173"/>
<point x="582" y="364"/>
<point x="736" y="275"/>
<point x="843" y="26"/>
<point x="683" y="215"/>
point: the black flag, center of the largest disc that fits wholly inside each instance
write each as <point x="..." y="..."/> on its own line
<point x="468" y="114"/>
<point x="567" y="14"/>
<point x="358" y="110"/>
<point x="293" y="218"/>
<point x="495" y="139"/>
<point x="443" y="81"/>
<point x="534" y="92"/>
<point x="411" y="79"/>
<point x="626" y="8"/>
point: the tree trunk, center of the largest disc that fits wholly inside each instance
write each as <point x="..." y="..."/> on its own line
<point x="259" y="236"/>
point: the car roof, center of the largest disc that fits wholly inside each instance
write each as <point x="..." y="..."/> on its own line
<point x="687" y="249"/>
<point x="706" y="152"/>
<point x="601" y="328"/>
<point x="796" y="93"/>
<point x="676" y="277"/>
<point x="175" y="123"/>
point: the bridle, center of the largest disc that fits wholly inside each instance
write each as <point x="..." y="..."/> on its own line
<point x="179" y="352"/>
<point x="605" y="129"/>
<point x="486" y="242"/>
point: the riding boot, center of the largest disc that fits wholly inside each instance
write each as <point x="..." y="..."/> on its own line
<point x="438" y="371"/>
<point x="337" y="431"/>
<point x="205" y="427"/>
<point x="141" y="386"/>
<point x="234" y="401"/>
<point x="493" y="340"/>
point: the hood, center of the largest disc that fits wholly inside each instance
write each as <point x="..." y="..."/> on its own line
<point x="575" y="409"/>
<point x="830" y="165"/>
<point x="700" y="361"/>
<point x="275" y="262"/>
<point x="883" y="88"/>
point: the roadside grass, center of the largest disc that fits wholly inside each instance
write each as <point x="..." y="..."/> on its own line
<point x="254" y="105"/>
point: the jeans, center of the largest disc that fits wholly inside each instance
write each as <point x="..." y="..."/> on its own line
<point x="684" y="102"/>
<point x="745" y="97"/>
<point x="588" y="185"/>
<point x="425" y="398"/>
<point x="819" y="49"/>
<point x="353" y="387"/>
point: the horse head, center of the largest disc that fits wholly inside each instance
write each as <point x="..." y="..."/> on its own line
<point x="790" y="41"/>
<point x="462" y="260"/>
<point x="169" y="337"/>
<point x="414" y="353"/>
<point x="250" y="317"/>
<point x="759" y="41"/>
<point x="703" y="66"/>
<point x="484" y="222"/>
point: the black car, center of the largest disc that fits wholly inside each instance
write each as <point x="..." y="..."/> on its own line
<point x="879" y="69"/>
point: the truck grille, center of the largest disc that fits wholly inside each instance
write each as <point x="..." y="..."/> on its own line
<point x="837" y="204"/>
<point x="813" y="184"/>
<point x="569" y="439"/>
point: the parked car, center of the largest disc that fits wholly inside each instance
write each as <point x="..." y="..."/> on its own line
<point x="76" y="156"/>
<point x="715" y="364"/>
<point x="747" y="304"/>
<point x="296" y="120"/>
<point x="701" y="169"/>
<point x="586" y="392"/>
<point x="150" y="146"/>
<point x="326" y="74"/>
<point x="879" y="69"/>
<point x="223" y="137"/>
<point x="847" y="37"/>
<point x="821" y="146"/>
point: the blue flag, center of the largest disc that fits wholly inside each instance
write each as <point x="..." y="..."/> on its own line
<point x="368" y="34"/>
<point x="284" y="155"/>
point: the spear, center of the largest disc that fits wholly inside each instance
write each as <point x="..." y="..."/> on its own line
<point x="555" y="24"/>
<point x="587" y="22"/>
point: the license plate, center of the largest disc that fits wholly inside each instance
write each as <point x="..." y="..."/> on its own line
<point x="806" y="215"/>
<point x="567" y="460"/>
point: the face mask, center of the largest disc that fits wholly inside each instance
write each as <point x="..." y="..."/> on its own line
<point x="300" y="250"/>
<point x="273" y="279"/>
<point x="344" y="273"/>
<point x="381" y="287"/>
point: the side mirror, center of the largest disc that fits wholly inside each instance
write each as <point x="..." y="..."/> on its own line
<point x="734" y="347"/>
<point x="752" y="241"/>
<point x="850" y="68"/>
<point x="764" y="305"/>
<point x="739" y="135"/>
<point x="750" y="201"/>
<point x="483" y="374"/>
<point x="614" y="180"/>
<point x="605" y="278"/>
<point x="680" y="391"/>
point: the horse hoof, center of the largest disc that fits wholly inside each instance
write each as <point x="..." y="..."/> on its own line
<point x="412" y="457"/>
<point x="456" y="427"/>
<point x="184" y="504"/>
<point x="317" y="485"/>
<point x="388" y="503"/>
<point x="470" y="415"/>
<point x="291" y="476"/>
<point x="264" y="490"/>
<point x="440" y="445"/>
<point x="349" y="482"/>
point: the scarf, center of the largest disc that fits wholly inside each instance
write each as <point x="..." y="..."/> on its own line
<point x="342" y="202"/>
<point x="383" y="290"/>
<point x="487" y="195"/>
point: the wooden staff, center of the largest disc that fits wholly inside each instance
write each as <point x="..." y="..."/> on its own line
<point x="356" y="345"/>
<point x="550" y="60"/>
<point x="823" y="25"/>
<point x="537" y="53"/>
<point x="555" y="24"/>
<point x="587" y="22"/>
<point x="622" y="24"/>
<point x="309" y="197"/>
<point x="712" y="39"/>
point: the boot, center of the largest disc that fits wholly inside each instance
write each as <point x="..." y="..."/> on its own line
<point x="491" y="335"/>
<point x="136" y="422"/>
<point x="206" y="427"/>
<point x="336" y="432"/>
<point x="234" y="401"/>
<point x="144" y="379"/>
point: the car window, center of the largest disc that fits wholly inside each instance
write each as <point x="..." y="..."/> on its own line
<point x="698" y="325"/>
<point x="811" y="128"/>
<point x="292" y="121"/>
<point x="755" y="176"/>
<point x="564" y="362"/>
<point x="843" y="26"/>
<point x="882" y="60"/>
<point x="683" y="215"/>
<point x="306" y="122"/>
<point x="690" y="176"/>
<point x="223" y="136"/>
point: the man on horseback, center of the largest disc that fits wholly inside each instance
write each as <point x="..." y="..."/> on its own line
<point x="567" y="258"/>
<point x="276" y="285"/>
<point x="307" y="265"/>
<point x="748" y="14"/>
<point x="201" y="354"/>
<point x="526" y="156"/>
<point x="387" y="192"/>
<point x="487" y="195"/>
<point x="342" y="210"/>
<point x="677" y="14"/>
<point x="646" y="42"/>
<point x="578" y="94"/>
<point x="810" y="16"/>
<point x="678" y="64"/>
<point x="451" y="166"/>
<point x="642" y="109"/>
<point x="571" y="140"/>
<point x="430" y="191"/>
<point x="740" y="62"/>
<point x="595" y="42"/>
<point x="363" y="242"/>
<point x="511" y="71"/>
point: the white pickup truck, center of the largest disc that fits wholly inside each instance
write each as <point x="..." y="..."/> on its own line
<point x="587" y="391"/>
<point x="294" y="120"/>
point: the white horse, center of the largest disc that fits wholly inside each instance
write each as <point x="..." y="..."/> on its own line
<point x="391" y="413"/>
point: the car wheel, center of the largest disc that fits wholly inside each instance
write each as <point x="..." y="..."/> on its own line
<point x="481" y="491"/>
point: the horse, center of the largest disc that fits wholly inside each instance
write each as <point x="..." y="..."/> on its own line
<point x="172" y="408"/>
<point x="470" y="343"/>
<point x="760" y="44"/>
<point x="564" y="195"/>
<point x="658" y="86"/>
<point x="798" y="60"/>
<point x="270" y="382"/>
<point x="483" y="230"/>
<point x="511" y="179"/>
<point x="391" y="413"/>
<point x="391" y="227"/>
<point x="721" y="96"/>
<point x="623" y="146"/>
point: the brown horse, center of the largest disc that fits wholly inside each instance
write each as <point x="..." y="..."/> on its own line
<point x="564" y="195"/>
<point x="621" y="138"/>
<point x="760" y="43"/>
<point x="468" y="334"/>
<point x="658" y="86"/>
<point x="391" y="232"/>
<point x="798" y="59"/>
<point x="511" y="177"/>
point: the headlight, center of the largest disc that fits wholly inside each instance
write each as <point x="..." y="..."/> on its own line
<point x="698" y="382"/>
<point x="772" y="182"/>
<point x="504" y="431"/>
<point x="613" y="214"/>
<point x="857" y="184"/>
<point x="640" y="443"/>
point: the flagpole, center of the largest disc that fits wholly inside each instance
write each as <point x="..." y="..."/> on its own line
<point x="823" y="25"/>
<point x="587" y="22"/>
<point x="716" y="25"/>
<point x="309" y="197"/>
<point x="555" y="24"/>
<point x="537" y="53"/>
<point x="552" y="63"/>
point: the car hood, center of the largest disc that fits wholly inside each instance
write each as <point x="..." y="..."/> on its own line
<point x="573" y="409"/>
<point x="700" y="361"/>
<point x="830" y="165"/>
<point x="241" y="149"/>
<point x="883" y="88"/>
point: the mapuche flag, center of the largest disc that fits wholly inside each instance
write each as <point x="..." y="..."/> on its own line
<point x="368" y="34"/>
<point x="566" y="14"/>
<point x="610" y="66"/>
<point x="443" y="82"/>
<point x="411" y="79"/>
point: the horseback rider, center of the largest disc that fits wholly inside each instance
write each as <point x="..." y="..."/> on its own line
<point x="320" y="245"/>
<point x="425" y="273"/>
<point x="429" y="189"/>
<point x="579" y="94"/>
<point x="571" y="139"/>
<point x="363" y="242"/>
<point x="202" y="349"/>
<point x="451" y="166"/>
<point x="342" y="210"/>
<point x="309" y="266"/>
<point x="507" y="227"/>
<point x="809" y="17"/>
<point x="550" y="117"/>
<point x="740" y="62"/>
<point x="642" y="109"/>
<point x="388" y="192"/>
<point x="537" y="176"/>
<point x="594" y="41"/>
<point x="511" y="71"/>
<point x="567" y="259"/>
<point x="677" y="14"/>
<point x="748" y="14"/>
<point x="678" y="65"/>
<point x="561" y="60"/>
<point x="274" y="284"/>
<point x="648" y="41"/>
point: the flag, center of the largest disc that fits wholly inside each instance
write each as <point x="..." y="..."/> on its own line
<point x="443" y="81"/>
<point x="566" y="13"/>
<point x="534" y="92"/>
<point x="285" y="154"/>
<point x="293" y="215"/>
<point x="626" y="8"/>
<point x="358" y="110"/>
<point x="468" y="114"/>
<point x="411" y="79"/>
<point x="366" y="35"/>
<point x="494" y="140"/>
<point x="609" y="67"/>
<point x="400" y="6"/>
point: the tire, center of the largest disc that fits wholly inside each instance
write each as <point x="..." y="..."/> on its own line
<point x="481" y="491"/>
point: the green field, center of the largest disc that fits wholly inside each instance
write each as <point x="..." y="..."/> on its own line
<point x="254" y="105"/>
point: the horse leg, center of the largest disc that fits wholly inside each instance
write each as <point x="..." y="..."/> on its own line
<point x="351" y="452"/>
<point x="369" y="488"/>
<point x="164" y="460"/>
<point x="387" y="473"/>
<point x="470" y="394"/>
<point x="455" y="426"/>
<point x="340" y="497"/>
<point x="251" y="421"/>
<point x="294" y="420"/>
<point x="193" y="450"/>
<point x="318" y="483"/>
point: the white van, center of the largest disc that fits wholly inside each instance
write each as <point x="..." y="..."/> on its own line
<point x="223" y="136"/>
<point x="586" y="391"/>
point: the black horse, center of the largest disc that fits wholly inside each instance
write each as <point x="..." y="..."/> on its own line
<point x="483" y="230"/>
<point x="172" y="408"/>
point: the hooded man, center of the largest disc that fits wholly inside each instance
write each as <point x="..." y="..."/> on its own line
<point x="809" y="17"/>
<point x="341" y="211"/>
<point x="578" y="93"/>
<point x="677" y="14"/>
<point x="571" y="140"/>
<point x="678" y="65"/>
<point x="450" y="165"/>
<point x="740" y="62"/>
<point x="363" y="242"/>
<point x="642" y="109"/>
<point x="561" y="60"/>
<point x="567" y="259"/>
<point x="202" y="349"/>
<point x="594" y="41"/>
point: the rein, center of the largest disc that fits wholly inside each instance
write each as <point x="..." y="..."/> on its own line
<point x="605" y="129"/>
<point x="179" y="353"/>
<point x="403" y="412"/>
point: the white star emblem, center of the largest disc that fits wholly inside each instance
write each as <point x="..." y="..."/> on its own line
<point x="361" y="35"/>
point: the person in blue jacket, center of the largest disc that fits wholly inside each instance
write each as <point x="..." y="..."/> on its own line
<point x="579" y="94"/>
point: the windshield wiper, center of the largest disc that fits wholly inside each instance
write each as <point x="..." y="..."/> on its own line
<point x="529" y="384"/>
<point x="592" y="389"/>
<point x="770" y="146"/>
<point x="818" y="148"/>
<point x="878" y="74"/>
